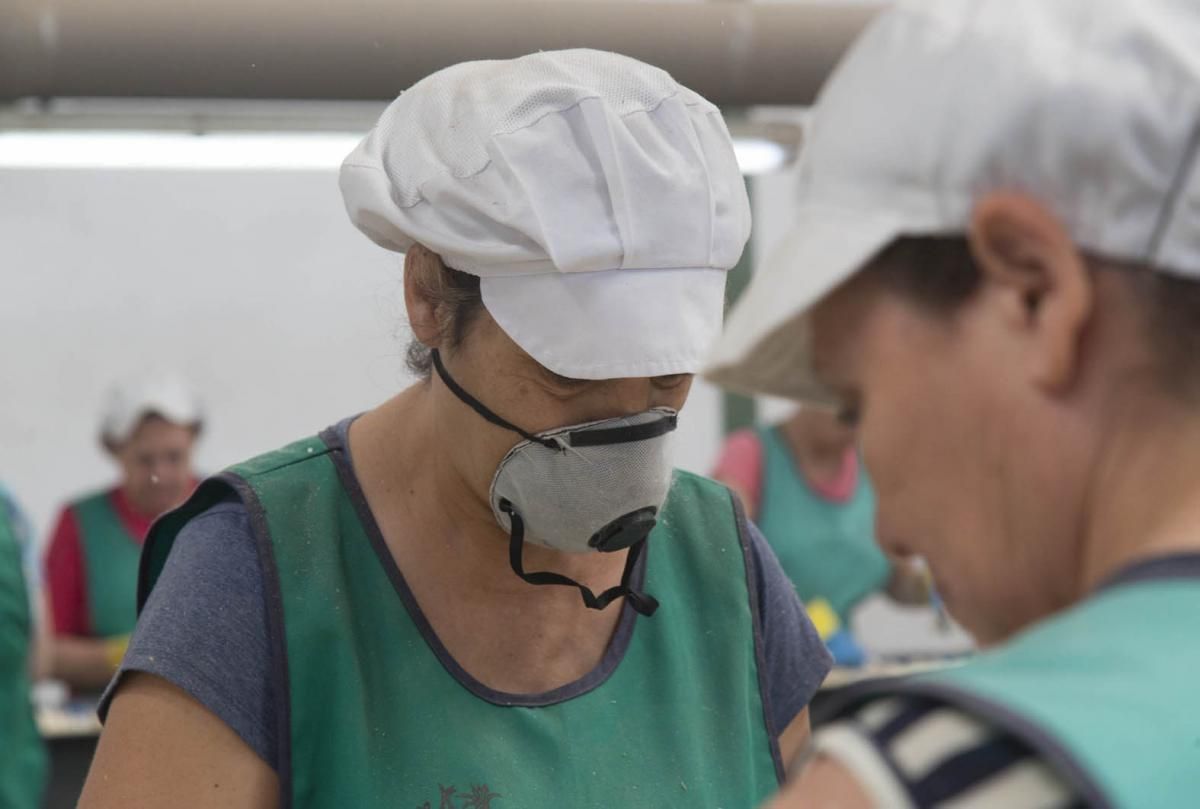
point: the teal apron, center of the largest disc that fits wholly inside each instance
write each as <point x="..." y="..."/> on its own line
<point x="110" y="557"/>
<point x="1108" y="692"/>
<point x="827" y="549"/>
<point x="377" y="714"/>
<point x="22" y="757"/>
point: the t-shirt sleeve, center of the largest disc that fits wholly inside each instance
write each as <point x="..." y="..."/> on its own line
<point x="740" y="466"/>
<point x="796" y="659"/>
<point x="204" y="627"/>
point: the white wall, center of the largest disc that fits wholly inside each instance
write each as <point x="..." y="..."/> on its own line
<point x="253" y="283"/>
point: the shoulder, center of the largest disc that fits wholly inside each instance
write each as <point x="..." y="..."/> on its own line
<point x="101" y="495"/>
<point x="699" y="483"/>
<point x="284" y="458"/>
<point x="204" y="625"/>
<point x="85" y="501"/>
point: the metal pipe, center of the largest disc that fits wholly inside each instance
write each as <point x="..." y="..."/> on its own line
<point x="736" y="54"/>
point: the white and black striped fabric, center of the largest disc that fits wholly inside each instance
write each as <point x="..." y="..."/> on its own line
<point x="913" y="752"/>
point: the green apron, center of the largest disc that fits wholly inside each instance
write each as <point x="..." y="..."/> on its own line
<point x="110" y="556"/>
<point x="827" y="549"/>
<point x="1107" y="692"/>
<point x="22" y="757"/>
<point x="377" y="714"/>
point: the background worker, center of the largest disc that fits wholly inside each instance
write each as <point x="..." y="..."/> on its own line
<point x="803" y="484"/>
<point x="149" y="429"/>
<point x="23" y="760"/>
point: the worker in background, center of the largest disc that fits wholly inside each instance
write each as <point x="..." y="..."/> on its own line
<point x="22" y="756"/>
<point x="802" y="484"/>
<point x="995" y="270"/>
<point x="492" y="589"/>
<point x="149" y="429"/>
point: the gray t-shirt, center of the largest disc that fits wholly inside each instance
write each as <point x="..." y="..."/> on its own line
<point x="205" y="630"/>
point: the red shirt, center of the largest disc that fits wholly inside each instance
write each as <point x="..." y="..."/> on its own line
<point x="66" y="574"/>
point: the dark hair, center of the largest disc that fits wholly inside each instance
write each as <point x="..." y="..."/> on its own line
<point x="935" y="272"/>
<point x="457" y="301"/>
<point x="1170" y="314"/>
<point x="938" y="274"/>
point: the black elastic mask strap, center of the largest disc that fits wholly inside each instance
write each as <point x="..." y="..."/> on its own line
<point x="642" y="603"/>
<point x="479" y="407"/>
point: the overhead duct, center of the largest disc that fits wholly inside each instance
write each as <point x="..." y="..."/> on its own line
<point x="736" y="54"/>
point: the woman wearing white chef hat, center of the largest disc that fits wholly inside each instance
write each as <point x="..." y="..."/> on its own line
<point x="149" y="428"/>
<point x="491" y="590"/>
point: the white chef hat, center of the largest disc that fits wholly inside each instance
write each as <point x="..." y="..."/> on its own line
<point x="598" y="201"/>
<point x="166" y="395"/>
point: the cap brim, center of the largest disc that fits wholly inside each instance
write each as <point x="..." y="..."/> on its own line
<point x="766" y="344"/>
<point x="611" y="324"/>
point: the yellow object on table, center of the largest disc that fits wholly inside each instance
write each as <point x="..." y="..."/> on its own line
<point x="824" y="619"/>
<point x="114" y="650"/>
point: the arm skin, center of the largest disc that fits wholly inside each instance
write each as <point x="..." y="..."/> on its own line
<point x="823" y="784"/>
<point x="795" y="737"/>
<point x="161" y="749"/>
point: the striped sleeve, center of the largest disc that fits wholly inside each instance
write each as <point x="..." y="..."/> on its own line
<point x="918" y="753"/>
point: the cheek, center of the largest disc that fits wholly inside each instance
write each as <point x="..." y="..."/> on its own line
<point x="921" y="446"/>
<point x="903" y="467"/>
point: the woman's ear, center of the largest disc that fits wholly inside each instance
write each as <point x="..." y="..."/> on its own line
<point x="422" y="280"/>
<point x="1042" y="280"/>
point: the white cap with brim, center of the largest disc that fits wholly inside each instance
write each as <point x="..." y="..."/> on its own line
<point x="167" y="396"/>
<point x="1091" y="107"/>
<point x="599" y="202"/>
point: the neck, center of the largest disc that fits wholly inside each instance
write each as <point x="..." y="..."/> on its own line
<point x="423" y="471"/>
<point x="1144" y="500"/>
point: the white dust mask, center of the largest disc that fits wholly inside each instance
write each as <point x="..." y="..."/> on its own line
<point x="592" y="487"/>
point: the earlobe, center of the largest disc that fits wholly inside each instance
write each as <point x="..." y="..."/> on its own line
<point x="1025" y="254"/>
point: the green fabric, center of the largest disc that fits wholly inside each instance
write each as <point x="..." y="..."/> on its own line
<point x="1106" y="692"/>
<point x="827" y="549"/>
<point x="1113" y="682"/>
<point x="110" y="555"/>
<point x="22" y="757"/>
<point x="377" y="720"/>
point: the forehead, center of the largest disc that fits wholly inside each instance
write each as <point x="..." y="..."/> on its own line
<point x="154" y="429"/>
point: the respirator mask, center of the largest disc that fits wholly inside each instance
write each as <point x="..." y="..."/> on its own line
<point x="591" y="487"/>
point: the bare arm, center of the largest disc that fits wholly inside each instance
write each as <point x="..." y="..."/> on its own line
<point x="161" y="748"/>
<point x="823" y="784"/>
<point x="84" y="663"/>
<point x="795" y="737"/>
